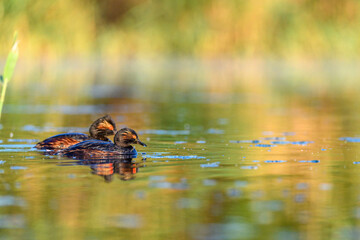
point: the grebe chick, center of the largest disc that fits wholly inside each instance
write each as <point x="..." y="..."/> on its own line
<point x="106" y="150"/>
<point x="101" y="128"/>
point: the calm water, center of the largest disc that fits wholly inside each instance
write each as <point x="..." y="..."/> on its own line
<point x="228" y="157"/>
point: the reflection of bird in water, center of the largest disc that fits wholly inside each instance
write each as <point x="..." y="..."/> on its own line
<point x="101" y="128"/>
<point x="125" y="167"/>
<point x="104" y="150"/>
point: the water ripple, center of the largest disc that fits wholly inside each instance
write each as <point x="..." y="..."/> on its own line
<point x="210" y="165"/>
<point x="292" y="142"/>
<point x="165" y="132"/>
<point x="350" y="139"/>
<point x="309" y="161"/>
<point x="275" y="161"/>
<point x="244" y="141"/>
<point x="176" y="157"/>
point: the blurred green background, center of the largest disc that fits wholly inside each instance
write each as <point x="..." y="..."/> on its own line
<point x="203" y="28"/>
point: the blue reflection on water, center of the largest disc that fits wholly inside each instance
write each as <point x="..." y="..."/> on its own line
<point x="210" y="165"/>
<point x="244" y="141"/>
<point x="292" y="142"/>
<point x="309" y="161"/>
<point x="12" y="221"/>
<point x="176" y="157"/>
<point x="18" y="168"/>
<point x="350" y="139"/>
<point x="275" y="161"/>
<point x="12" y="201"/>
<point x="264" y="145"/>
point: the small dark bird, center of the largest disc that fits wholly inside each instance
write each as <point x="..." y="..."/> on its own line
<point x="101" y="128"/>
<point x="106" y="150"/>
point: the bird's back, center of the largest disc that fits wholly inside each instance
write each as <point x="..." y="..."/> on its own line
<point x="97" y="149"/>
<point x="62" y="141"/>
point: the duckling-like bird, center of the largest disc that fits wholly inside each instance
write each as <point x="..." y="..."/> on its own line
<point x="106" y="150"/>
<point x="101" y="128"/>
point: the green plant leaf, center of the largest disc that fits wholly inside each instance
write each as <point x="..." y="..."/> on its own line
<point x="8" y="70"/>
<point x="11" y="62"/>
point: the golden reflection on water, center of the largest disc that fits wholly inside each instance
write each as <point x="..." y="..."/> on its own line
<point x="244" y="160"/>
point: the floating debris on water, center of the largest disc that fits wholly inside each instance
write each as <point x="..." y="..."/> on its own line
<point x="210" y="165"/>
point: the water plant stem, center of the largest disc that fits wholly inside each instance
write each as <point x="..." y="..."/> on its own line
<point x="8" y="70"/>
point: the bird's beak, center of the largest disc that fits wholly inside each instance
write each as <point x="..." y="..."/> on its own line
<point x="141" y="143"/>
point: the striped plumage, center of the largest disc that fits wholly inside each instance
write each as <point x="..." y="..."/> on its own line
<point x="101" y="128"/>
<point x="91" y="149"/>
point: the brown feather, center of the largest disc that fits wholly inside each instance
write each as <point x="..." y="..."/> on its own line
<point x="62" y="143"/>
<point x="105" y="125"/>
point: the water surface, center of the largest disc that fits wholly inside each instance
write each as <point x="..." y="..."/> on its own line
<point x="238" y="157"/>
